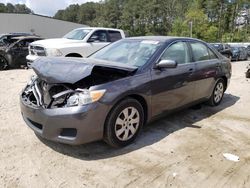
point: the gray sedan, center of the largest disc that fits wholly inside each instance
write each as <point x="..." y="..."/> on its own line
<point x="114" y="92"/>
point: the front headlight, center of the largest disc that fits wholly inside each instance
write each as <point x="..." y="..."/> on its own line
<point x="33" y="78"/>
<point x="53" y="52"/>
<point x="83" y="97"/>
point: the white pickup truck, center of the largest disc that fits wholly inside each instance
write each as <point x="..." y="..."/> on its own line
<point x="79" y="42"/>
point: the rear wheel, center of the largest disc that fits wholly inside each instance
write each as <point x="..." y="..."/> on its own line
<point x="248" y="74"/>
<point x="3" y="63"/>
<point x="218" y="93"/>
<point x="124" y="123"/>
<point x="237" y="58"/>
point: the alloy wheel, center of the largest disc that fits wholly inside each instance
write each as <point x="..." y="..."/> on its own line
<point x="127" y="123"/>
<point x="218" y="92"/>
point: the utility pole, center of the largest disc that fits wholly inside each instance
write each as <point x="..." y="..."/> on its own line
<point x="191" y="28"/>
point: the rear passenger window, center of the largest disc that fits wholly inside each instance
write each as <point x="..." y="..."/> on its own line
<point x="177" y="52"/>
<point x="212" y="54"/>
<point x="200" y="52"/>
<point x="114" y="35"/>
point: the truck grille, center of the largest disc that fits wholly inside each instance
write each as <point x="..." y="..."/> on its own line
<point x="37" y="50"/>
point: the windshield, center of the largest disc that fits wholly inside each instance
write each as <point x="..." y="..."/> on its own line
<point x="77" y="34"/>
<point x="217" y="46"/>
<point x="235" y="49"/>
<point x="6" y="40"/>
<point x="132" y="52"/>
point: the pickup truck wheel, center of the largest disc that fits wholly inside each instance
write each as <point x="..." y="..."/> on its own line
<point x="3" y="63"/>
<point x="218" y="93"/>
<point x="124" y="123"/>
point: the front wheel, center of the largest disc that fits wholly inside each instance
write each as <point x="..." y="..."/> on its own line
<point x="124" y="123"/>
<point x="218" y="93"/>
<point x="3" y="63"/>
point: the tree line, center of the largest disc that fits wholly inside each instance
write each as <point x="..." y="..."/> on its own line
<point x="211" y="20"/>
<point x="18" y="8"/>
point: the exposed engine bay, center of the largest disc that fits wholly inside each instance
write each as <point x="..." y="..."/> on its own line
<point x="39" y="93"/>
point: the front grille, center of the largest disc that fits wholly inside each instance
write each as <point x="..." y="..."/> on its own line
<point x="68" y="132"/>
<point x="37" y="50"/>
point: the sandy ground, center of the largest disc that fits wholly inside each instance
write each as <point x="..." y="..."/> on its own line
<point x="182" y="150"/>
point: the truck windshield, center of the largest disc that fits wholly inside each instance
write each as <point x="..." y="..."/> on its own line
<point x="77" y="34"/>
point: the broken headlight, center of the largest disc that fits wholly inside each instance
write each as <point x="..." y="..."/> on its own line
<point x="32" y="79"/>
<point x="83" y="97"/>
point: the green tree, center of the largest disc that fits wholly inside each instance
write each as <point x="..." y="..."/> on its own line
<point x="213" y="21"/>
<point x="2" y="7"/>
<point x="21" y="8"/>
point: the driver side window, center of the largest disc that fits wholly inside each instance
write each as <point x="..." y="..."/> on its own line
<point x="177" y="52"/>
<point x="99" y="36"/>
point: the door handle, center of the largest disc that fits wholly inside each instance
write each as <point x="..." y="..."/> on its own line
<point x="191" y="70"/>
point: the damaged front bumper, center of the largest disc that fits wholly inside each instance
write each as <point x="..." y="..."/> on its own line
<point x="69" y="125"/>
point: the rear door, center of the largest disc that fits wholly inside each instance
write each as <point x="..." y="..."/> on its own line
<point x="114" y="35"/>
<point x="173" y="87"/>
<point x="207" y="67"/>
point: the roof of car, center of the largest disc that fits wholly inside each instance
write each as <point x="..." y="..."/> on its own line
<point x="27" y="37"/>
<point x="105" y="28"/>
<point x="160" y="38"/>
<point x="19" y="34"/>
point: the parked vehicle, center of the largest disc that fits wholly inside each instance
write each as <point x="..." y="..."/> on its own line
<point x="224" y="49"/>
<point x="248" y="50"/>
<point x="80" y="42"/>
<point x="14" y="54"/>
<point x="5" y="39"/>
<point x="118" y="89"/>
<point x="239" y="53"/>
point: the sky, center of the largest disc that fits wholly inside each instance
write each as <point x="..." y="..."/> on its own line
<point x="46" y="7"/>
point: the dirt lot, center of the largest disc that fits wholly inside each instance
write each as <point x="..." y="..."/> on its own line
<point x="182" y="150"/>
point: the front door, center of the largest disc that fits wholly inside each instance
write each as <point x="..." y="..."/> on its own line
<point x="173" y="87"/>
<point x="97" y="40"/>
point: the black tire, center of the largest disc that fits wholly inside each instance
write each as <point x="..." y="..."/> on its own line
<point x="116" y="114"/>
<point x="219" y="87"/>
<point x="3" y="63"/>
<point x="248" y="74"/>
<point x="237" y="58"/>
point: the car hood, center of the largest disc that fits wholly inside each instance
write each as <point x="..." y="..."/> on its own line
<point x="71" y="70"/>
<point x="53" y="43"/>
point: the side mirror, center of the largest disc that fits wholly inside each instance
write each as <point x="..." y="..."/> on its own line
<point x="93" y="38"/>
<point x="166" y="64"/>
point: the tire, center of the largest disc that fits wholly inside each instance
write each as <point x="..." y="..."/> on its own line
<point x="119" y="128"/>
<point x="3" y="63"/>
<point x="218" y="93"/>
<point x="248" y="74"/>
